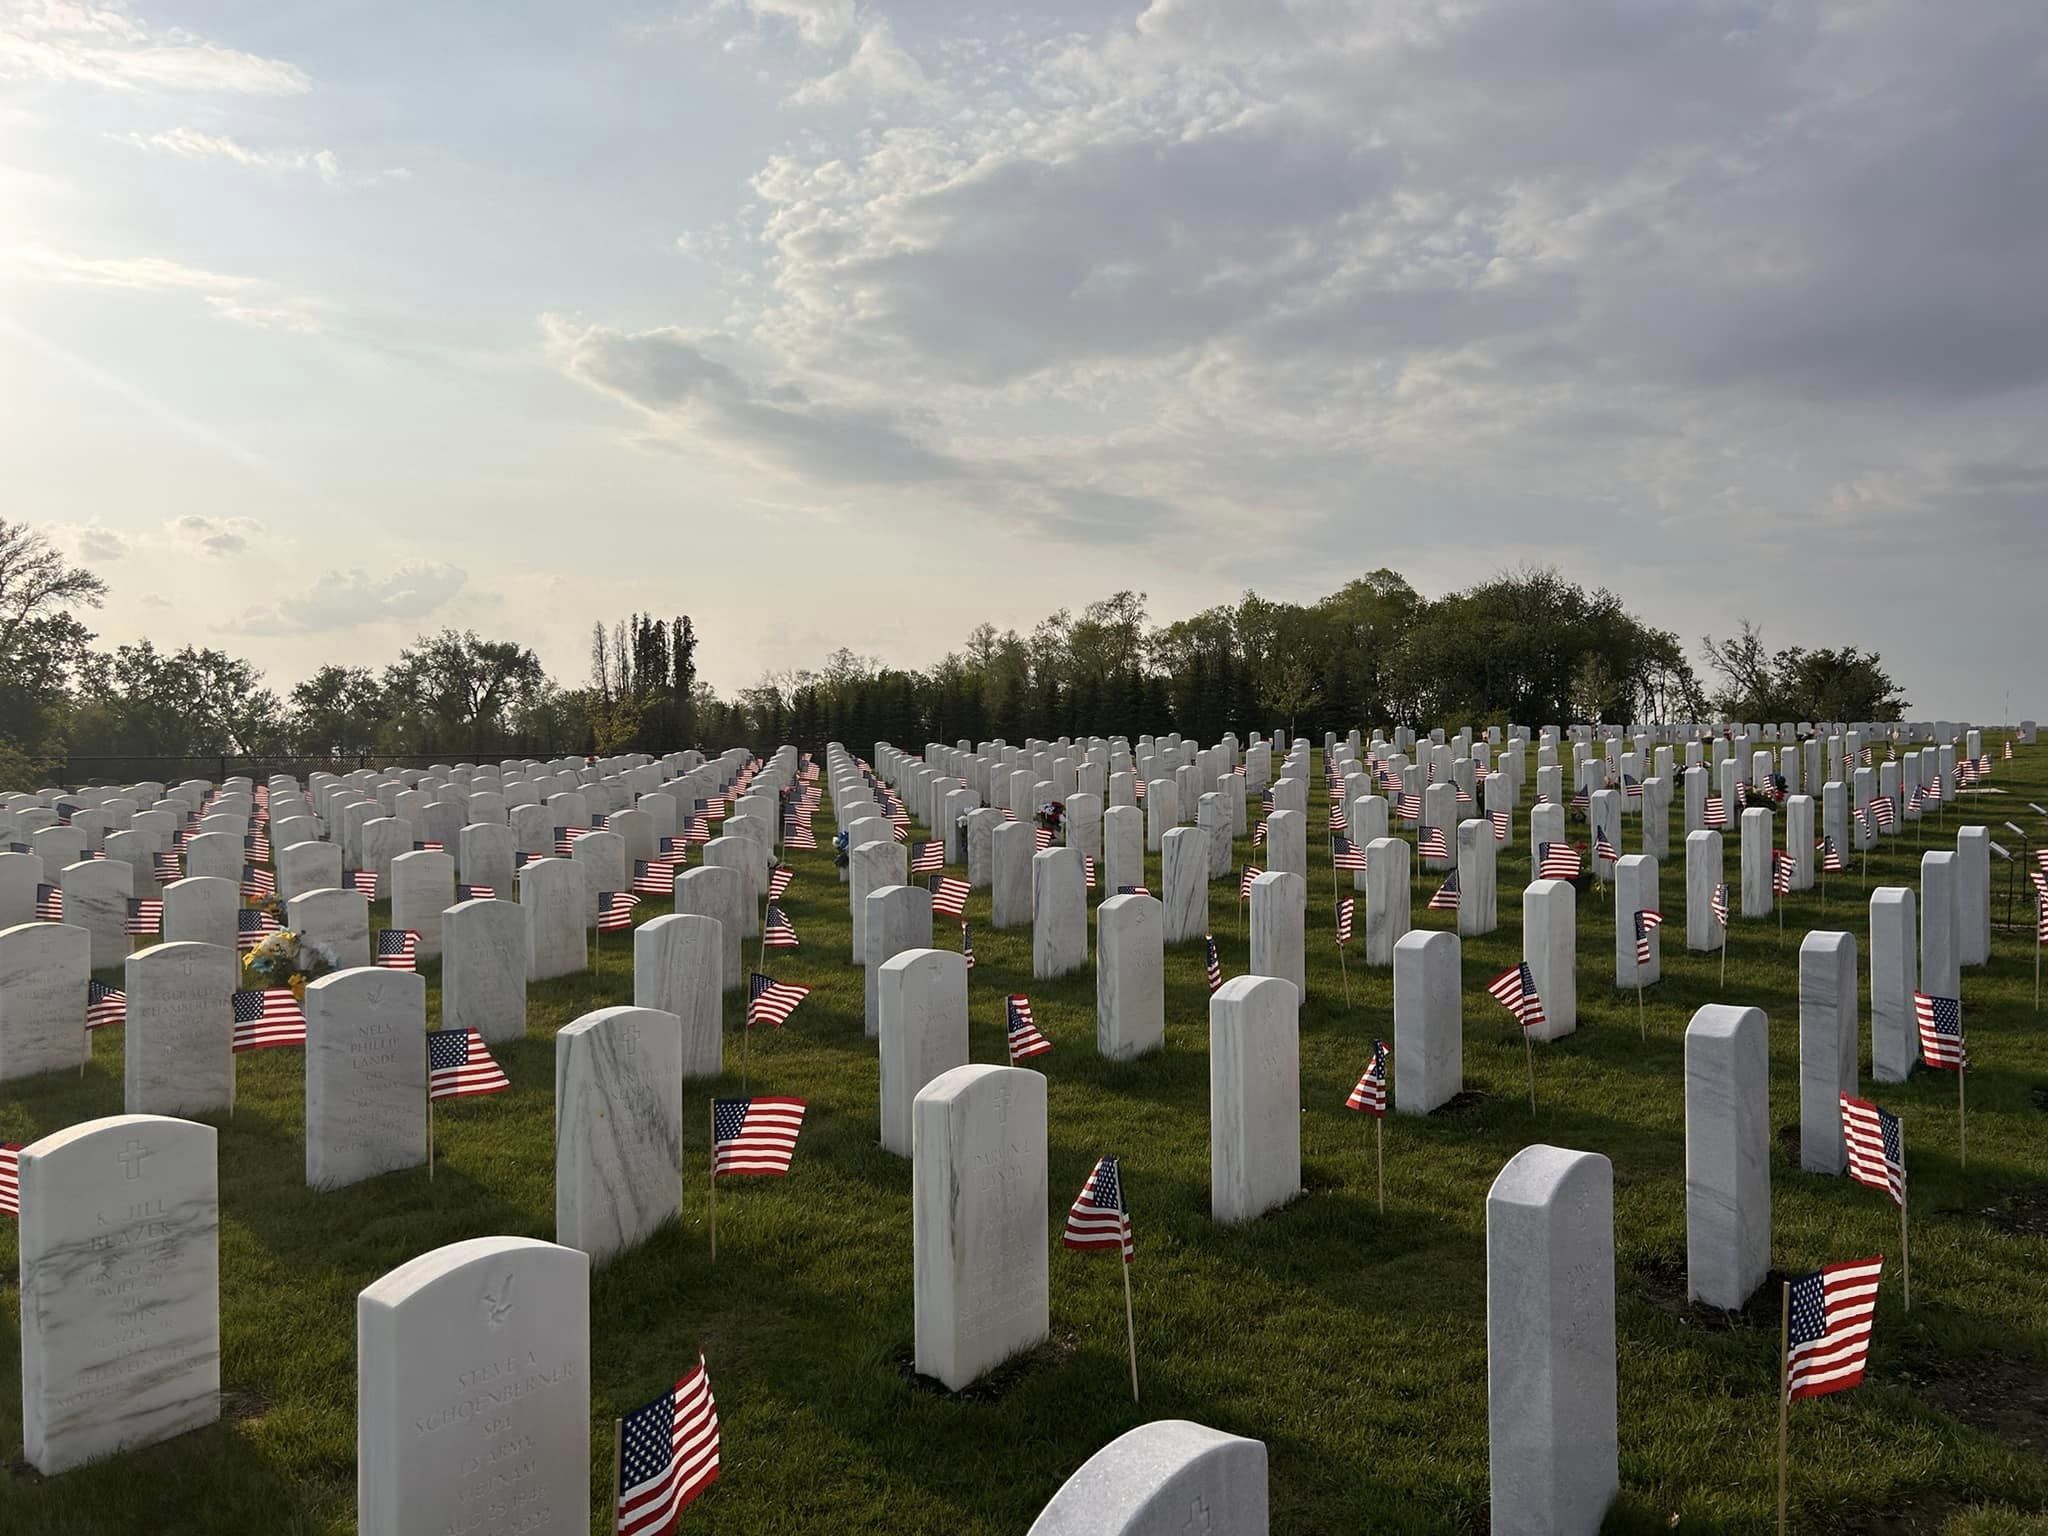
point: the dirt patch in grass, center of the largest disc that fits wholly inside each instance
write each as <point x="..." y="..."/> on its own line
<point x="1923" y="1512"/>
<point x="997" y="1384"/>
<point x="1660" y="1278"/>
<point x="1997" y="1394"/>
<point x="1463" y="1103"/>
<point x="239" y="1404"/>
<point x="2023" y="1213"/>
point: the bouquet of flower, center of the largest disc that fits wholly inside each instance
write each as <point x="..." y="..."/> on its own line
<point x="1051" y="815"/>
<point x="840" y="854"/>
<point x="286" y="959"/>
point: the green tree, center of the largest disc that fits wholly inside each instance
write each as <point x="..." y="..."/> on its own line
<point x="460" y="691"/>
<point x="43" y="647"/>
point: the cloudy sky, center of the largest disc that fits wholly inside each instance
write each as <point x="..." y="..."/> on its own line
<point x="826" y="322"/>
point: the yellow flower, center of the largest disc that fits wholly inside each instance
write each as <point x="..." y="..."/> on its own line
<point x="298" y="985"/>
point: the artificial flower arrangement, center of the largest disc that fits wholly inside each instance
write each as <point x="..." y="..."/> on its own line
<point x="285" y="959"/>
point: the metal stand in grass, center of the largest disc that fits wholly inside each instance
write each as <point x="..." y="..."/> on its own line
<point x="714" y="1178"/>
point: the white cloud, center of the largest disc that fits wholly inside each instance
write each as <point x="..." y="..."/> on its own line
<point x="104" y="45"/>
<point x="347" y="599"/>
<point x="877" y="71"/>
<point x="191" y="144"/>
<point x="92" y="542"/>
<point x="246" y="300"/>
<point x="214" y="535"/>
<point x="820" y="23"/>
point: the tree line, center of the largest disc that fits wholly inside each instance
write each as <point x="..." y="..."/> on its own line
<point x="1523" y="646"/>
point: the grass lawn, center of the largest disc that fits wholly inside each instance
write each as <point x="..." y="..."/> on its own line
<point x="1352" y="1343"/>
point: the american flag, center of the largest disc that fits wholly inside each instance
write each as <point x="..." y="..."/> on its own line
<point x="1603" y="848"/>
<point x="1042" y="837"/>
<point x="1215" y="961"/>
<point x="565" y="839"/>
<point x="1830" y="855"/>
<point x="1132" y="890"/>
<point x="668" y="1454"/>
<point x="1025" y="1040"/>
<point x="1370" y="1096"/>
<point x="1431" y="843"/>
<point x="428" y="845"/>
<point x="1500" y="825"/>
<point x="1447" y="894"/>
<point x="460" y="1064"/>
<point x="258" y="884"/>
<point x="928" y="858"/>
<point x="1088" y="871"/>
<point x="49" y="904"/>
<point x="268" y="1018"/>
<point x="1781" y="872"/>
<point x="1557" y="861"/>
<point x="1719" y="903"/>
<point x="1632" y="785"/>
<point x="10" y="1179"/>
<point x="772" y="1002"/>
<point x="949" y="895"/>
<point x="1346" y="906"/>
<point x="397" y="949"/>
<point x="696" y="830"/>
<point x="166" y="866"/>
<point x="615" y="910"/>
<point x="1099" y="1218"/>
<point x="2008" y="749"/>
<point x="755" y="1135"/>
<point x="1886" y="812"/>
<point x="1830" y="1332"/>
<point x="1345" y="854"/>
<point x="1259" y="835"/>
<point x="967" y="945"/>
<point x="364" y="880"/>
<point x="777" y="931"/>
<point x="1877" y="1147"/>
<point x="144" y="916"/>
<point x="778" y="881"/>
<point x="257" y="846"/>
<point x="797" y="833"/>
<point x="1866" y="757"/>
<point x="1244" y="886"/>
<point x="1515" y="990"/>
<point x="1741" y="794"/>
<point x="1941" y="1031"/>
<point x="1716" y="812"/>
<point x="104" y="1005"/>
<point x="1409" y="806"/>
<point x="1338" y="820"/>
<point x="655" y="877"/>
<point x="252" y="926"/>
<point x="1647" y="922"/>
<point x="714" y="806"/>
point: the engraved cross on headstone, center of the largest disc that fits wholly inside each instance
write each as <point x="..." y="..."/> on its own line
<point x="132" y="1156"/>
<point x="1198" y="1523"/>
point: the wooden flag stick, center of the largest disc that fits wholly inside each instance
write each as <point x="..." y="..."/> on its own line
<point x="1379" y="1141"/>
<point x="1905" y="1251"/>
<point x="618" y="1449"/>
<point x="430" y="1137"/>
<point x="1642" y="1027"/>
<point x="1130" y="1327"/>
<point x="1962" y="1123"/>
<point x="1529" y="1046"/>
<point x="1784" y="1391"/>
<point x="714" y="1178"/>
<point x="1344" y="966"/>
<point x="1724" y="957"/>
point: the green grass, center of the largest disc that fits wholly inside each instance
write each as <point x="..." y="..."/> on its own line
<point x="1352" y="1343"/>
